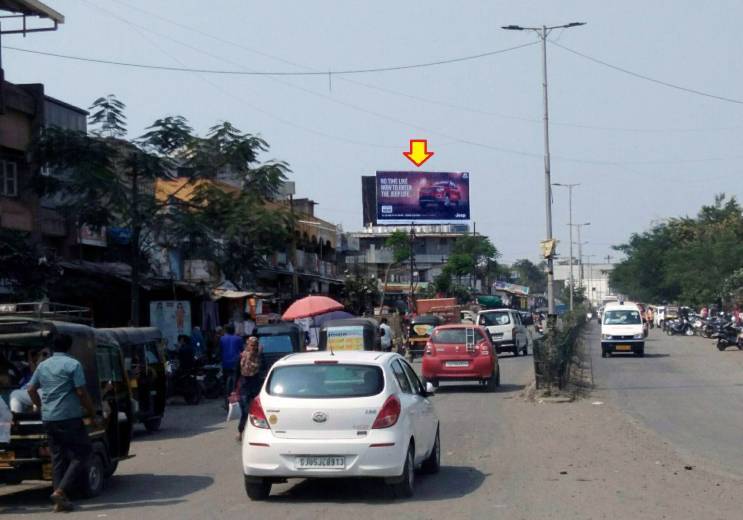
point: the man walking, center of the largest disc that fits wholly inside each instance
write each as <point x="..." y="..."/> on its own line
<point x="63" y="383"/>
<point x="386" y="335"/>
<point x="230" y="346"/>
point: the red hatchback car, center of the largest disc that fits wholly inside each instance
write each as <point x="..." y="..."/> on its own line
<point x="461" y="352"/>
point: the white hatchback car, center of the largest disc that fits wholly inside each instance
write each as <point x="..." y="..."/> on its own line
<point x="337" y="415"/>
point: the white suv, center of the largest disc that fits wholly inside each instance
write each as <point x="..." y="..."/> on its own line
<point x="506" y="329"/>
<point x="339" y="415"/>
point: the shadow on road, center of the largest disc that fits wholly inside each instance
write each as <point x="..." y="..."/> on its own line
<point x="121" y="492"/>
<point x="630" y="355"/>
<point x="180" y="422"/>
<point x="476" y="388"/>
<point x="450" y="482"/>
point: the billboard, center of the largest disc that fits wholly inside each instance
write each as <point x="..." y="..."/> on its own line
<point x="423" y="196"/>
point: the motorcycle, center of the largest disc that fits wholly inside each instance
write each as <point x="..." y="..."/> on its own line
<point x="212" y="385"/>
<point x="680" y="327"/>
<point x="187" y="384"/>
<point x="729" y="336"/>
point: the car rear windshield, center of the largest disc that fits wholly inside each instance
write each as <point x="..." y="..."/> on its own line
<point x="276" y="344"/>
<point x="495" y="318"/>
<point x="454" y="336"/>
<point x="325" y="381"/>
<point x="622" y="317"/>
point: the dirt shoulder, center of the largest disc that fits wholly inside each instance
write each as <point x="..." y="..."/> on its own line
<point x="585" y="460"/>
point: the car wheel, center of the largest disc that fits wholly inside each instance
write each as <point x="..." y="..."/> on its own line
<point x="433" y="463"/>
<point x="152" y="425"/>
<point x="92" y="477"/>
<point x="603" y="353"/>
<point x="491" y="384"/>
<point x="257" y="489"/>
<point x="404" y="488"/>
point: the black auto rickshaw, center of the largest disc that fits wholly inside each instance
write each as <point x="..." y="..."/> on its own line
<point x="145" y="367"/>
<point x="420" y="329"/>
<point x="278" y="340"/>
<point x="350" y="334"/>
<point x="24" y="451"/>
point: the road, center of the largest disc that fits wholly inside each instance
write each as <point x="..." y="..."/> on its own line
<point x="685" y="390"/>
<point x="504" y="456"/>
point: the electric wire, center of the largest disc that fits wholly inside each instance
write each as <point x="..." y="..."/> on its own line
<point x="271" y="73"/>
<point x="648" y="78"/>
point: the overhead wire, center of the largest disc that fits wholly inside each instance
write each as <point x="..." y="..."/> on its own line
<point x="648" y="78"/>
<point x="453" y="106"/>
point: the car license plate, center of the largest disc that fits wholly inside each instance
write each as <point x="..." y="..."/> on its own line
<point x="624" y="348"/>
<point x="321" y="462"/>
<point x="457" y="363"/>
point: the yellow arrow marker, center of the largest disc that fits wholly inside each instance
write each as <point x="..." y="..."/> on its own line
<point x="418" y="153"/>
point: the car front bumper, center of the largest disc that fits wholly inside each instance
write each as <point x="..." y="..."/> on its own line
<point x="265" y="455"/>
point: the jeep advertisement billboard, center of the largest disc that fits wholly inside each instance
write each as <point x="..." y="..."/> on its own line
<point x="405" y="197"/>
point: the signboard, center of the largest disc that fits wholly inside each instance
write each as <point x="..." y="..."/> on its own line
<point x="91" y="237"/>
<point x="172" y="317"/>
<point x="422" y="196"/>
<point x="511" y="287"/>
<point x="346" y="338"/>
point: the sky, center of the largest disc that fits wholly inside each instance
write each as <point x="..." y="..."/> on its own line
<point x="641" y="151"/>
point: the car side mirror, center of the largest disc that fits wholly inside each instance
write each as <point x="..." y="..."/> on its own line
<point x="430" y="389"/>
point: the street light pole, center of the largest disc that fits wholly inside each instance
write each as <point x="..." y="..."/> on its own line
<point x="570" y="206"/>
<point x="543" y="32"/>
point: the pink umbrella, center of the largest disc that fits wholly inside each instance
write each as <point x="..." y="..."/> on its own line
<point x="311" y="306"/>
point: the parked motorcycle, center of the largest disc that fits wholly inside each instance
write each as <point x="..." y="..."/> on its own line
<point x="212" y="385"/>
<point x="679" y="327"/>
<point x="187" y="384"/>
<point x="729" y="336"/>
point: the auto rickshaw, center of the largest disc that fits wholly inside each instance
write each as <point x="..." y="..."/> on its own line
<point x="145" y="367"/>
<point x="419" y="331"/>
<point x="278" y="340"/>
<point x="350" y="334"/>
<point x="24" y="450"/>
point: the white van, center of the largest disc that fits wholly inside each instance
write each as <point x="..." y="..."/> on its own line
<point x="622" y="329"/>
<point x="506" y="329"/>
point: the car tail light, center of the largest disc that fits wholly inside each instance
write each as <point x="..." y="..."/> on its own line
<point x="389" y="414"/>
<point x="429" y="349"/>
<point x="484" y="348"/>
<point x="513" y="333"/>
<point x="256" y="414"/>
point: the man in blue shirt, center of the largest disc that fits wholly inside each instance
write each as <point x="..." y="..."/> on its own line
<point x="230" y="346"/>
<point x="64" y="395"/>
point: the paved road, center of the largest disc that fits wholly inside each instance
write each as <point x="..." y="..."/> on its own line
<point x="191" y="468"/>
<point x="684" y="389"/>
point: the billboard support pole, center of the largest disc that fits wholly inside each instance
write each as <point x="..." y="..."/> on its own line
<point x="412" y="265"/>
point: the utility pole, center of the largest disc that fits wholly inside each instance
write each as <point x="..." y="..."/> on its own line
<point x="543" y="32"/>
<point x="412" y="267"/>
<point x="570" y="206"/>
<point x="580" y="252"/>
<point x="591" y="286"/>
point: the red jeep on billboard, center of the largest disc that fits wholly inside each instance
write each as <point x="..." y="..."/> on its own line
<point x="442" y="193"/>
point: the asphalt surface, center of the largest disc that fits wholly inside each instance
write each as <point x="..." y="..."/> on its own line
<point x="685" y="390"/>
<point x="191" y="468"/>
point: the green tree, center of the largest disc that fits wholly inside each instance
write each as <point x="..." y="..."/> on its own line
<point x="684" y="259"/>
<point x="399" y="243"/>
<point x="531" y="275"/>
<point x="107" y="180"/>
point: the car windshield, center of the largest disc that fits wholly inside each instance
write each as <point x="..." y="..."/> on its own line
<point x="276" y="344"/>
<point x="454" y="336"/>
<point x="325" y="381"/>
<point x="495" y="318"/>
<point x="622" y="317"/>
